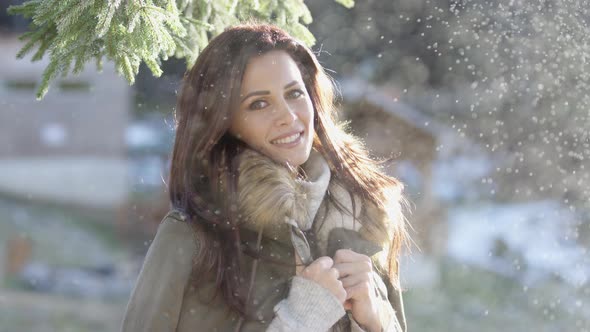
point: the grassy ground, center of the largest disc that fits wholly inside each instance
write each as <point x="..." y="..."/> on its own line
<point x="470" y="299"/>
<point x="60" y="236"/>
<point x="33" y="312"/>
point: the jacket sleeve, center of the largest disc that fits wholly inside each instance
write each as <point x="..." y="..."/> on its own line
<point x="156" y="299"/>
<point x="309" y="307"/>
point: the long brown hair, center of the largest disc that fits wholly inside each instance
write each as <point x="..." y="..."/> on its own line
<point x="203" y="150"/>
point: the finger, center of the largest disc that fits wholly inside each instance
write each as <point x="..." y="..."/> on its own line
<point x="323" y="263"/>
<point x="341" y="294"/>
<point x="353" y="268"/>
<point x="347" y="255"/>
<point x="347" y="305"/>
<point x="334" y="273"/>
<point x="354" y="279"/>
<point x="347" y="269"/>
<point x="359" y="291"/>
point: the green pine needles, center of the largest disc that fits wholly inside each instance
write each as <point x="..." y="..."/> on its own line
<point x="75" y="32"/>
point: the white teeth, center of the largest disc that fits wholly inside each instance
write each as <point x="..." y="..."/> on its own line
<point x="286" y="140"/>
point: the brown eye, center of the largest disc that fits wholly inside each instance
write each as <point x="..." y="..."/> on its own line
<point x="257" y="105"/>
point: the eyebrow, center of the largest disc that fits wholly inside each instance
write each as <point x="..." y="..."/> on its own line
<point x="265" y="92"/>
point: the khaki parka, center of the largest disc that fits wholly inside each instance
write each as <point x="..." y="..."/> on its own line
<point x="165" y="298"/>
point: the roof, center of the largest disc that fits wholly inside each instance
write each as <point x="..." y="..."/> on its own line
<point x="355" y="89"/>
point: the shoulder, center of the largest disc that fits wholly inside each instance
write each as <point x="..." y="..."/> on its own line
<point x="175" y="222"/>
<point x="175" y="233"/>
<point x="155" y="303"/>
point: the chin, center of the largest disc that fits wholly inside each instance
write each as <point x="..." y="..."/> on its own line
<point x="296" y="163"/>
<point x="298" y="160"/>
<point x="294" y="158"/>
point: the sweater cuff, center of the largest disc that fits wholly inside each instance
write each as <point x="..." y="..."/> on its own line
<point x="309" y="306"/>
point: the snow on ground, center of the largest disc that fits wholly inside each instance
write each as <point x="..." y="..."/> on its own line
<point x="532" y="241"/>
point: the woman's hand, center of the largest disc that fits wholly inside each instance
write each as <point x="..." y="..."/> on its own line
<point x="322" y="272"/>
<point x="355" y="273"/>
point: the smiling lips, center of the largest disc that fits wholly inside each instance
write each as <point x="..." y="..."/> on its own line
<point x="288" y="139"/>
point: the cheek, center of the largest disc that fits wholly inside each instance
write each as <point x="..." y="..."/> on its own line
<point x="310" y="115"/>
<point x="242" y="127"/>
<point x="237" y="123"/>
<point x="252" y="131"/>
<point x="306" y="112"/>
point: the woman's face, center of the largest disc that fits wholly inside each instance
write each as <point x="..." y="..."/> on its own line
<point x="275" y="113"/>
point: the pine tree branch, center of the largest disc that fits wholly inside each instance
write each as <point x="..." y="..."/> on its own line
<point x="73" y="32"/>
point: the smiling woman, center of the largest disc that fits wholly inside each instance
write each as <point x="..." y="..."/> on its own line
<point x="280" y="221"/>
<point x="275" y="118"/>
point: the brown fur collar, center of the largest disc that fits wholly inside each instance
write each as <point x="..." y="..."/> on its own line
<point x="271" y="197"/>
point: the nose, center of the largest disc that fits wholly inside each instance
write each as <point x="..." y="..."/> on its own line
<point x="286" y="115"/>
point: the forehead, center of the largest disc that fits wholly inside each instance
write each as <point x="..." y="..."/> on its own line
<point x="268" y="70"/>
